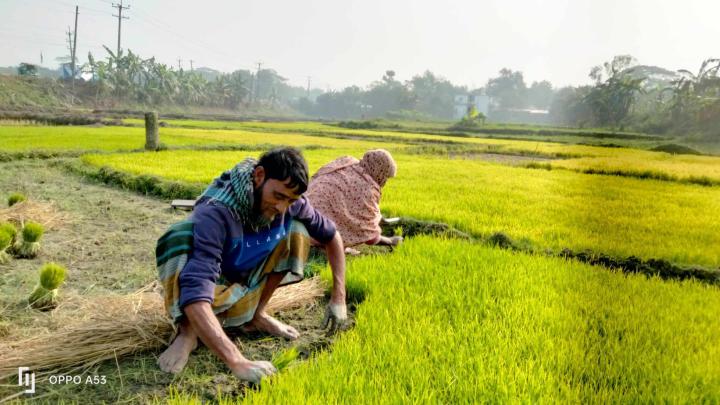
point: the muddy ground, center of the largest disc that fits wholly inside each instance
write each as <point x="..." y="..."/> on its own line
<point x="106" y="239"/>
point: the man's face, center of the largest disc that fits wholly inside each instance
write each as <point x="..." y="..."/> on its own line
<point x="272" y="197"/>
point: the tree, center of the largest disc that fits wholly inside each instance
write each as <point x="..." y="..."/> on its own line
<point x="540" y="95"/>
<point x="27" y="69"/>
<point x="615" y="89"/>
<point x="388" y="95"/>
<point x="507" y="90"/>
<point x="692" y="91"/>
<point x="569" y="106"/>
<point x="433" y="95"/>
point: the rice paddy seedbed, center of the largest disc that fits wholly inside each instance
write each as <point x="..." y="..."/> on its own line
<point x="662" y="166"/>
<point x="444" y="321"/>
<point x="555" y="209"/>
<point x="75" y="138"/>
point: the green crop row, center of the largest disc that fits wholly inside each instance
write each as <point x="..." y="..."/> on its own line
<point x="446" y="321"/>
<point x="550" y="209"/>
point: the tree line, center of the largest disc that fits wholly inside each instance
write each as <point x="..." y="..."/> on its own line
<point x="622" y="94"/>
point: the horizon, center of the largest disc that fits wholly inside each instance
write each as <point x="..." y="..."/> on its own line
<point x="466" y="44"/>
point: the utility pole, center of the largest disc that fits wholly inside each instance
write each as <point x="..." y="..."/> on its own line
<point x="120" y="17"/>
<point x="74" y="50"/>
<point x="74" y="45"/>
<point x="255" y="86"/>
<point x="179" y="64"/>
<point x="191" y="65"/>
<point x="308" y="88"/>
<point x="69" y="34"/>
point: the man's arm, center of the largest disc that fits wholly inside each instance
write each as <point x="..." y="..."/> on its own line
<point x="208" y="328"/>
<point x="323" y="230"/>
<point x="336" y="312"/>
<point x="336" y="257"/>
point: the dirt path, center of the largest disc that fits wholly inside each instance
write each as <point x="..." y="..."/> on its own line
<point x="500" y="158"/>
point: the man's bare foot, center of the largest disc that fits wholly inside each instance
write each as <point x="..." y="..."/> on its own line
<point x="268" y="324"/>
<point x="175" y="357"/>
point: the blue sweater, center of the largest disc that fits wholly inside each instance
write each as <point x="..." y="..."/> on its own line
<point x="222" y="245"/>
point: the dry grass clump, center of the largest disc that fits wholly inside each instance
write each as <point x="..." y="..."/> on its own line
<point x="110" y="326"/>
<point x="44" y="213"/>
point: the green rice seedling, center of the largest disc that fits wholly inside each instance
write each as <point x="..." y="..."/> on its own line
<point x="517" y="328"/>
<point x="30" y="245"/>
<point x="44" y="296"/>
<point x="10" y="229"/>
<point x="5" y="240"/>
<point x="283" y="359"/>
<point x="16" y="198"/>
<point x="556" y="209"/>
<point x="398" y="231"/>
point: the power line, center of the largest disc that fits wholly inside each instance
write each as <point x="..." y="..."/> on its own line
<point x="162" y="26"/>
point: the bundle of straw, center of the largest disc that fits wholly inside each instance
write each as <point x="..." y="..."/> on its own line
<point x="44" y="213"/>
<point x="113" y="326"/>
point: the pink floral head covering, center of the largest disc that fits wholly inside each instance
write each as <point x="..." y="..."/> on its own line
<point x="379" y="164"/>
<point x="348" y="192"/>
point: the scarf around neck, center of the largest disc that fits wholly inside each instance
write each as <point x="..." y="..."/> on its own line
<point x="234" y="189"/>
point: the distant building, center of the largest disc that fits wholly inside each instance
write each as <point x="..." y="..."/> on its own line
<point x="463" y="103"/>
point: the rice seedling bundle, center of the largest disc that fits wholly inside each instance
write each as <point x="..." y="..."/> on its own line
<point x="32" y="232"/>
<point x="44" y="296"/>
<point x="9" y="229"/>
<point x="16" y="198"/>
<point x="5" y="243"/>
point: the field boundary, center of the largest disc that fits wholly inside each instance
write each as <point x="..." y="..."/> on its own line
<point x="643" y="175"/>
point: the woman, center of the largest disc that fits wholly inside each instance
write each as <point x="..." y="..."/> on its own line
<point x="348" y="192"/>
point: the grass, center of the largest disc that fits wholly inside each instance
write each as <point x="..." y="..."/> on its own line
<point x="658" y="165"/>
<point x="450" y="322"/>
<point x="73" y="138"/>
<point x="440" y="321"/>
<point x="549" y="209"/>
<point x="48" y="141"/>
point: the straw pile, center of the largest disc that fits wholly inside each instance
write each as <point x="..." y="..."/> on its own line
<point x="44" y="213"/>
<point x="112" y="326"/>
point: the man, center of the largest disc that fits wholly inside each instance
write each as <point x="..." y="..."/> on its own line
<point x="249" y="233"/>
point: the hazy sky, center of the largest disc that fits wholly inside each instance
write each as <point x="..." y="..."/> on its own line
<point x="344" y="42"/>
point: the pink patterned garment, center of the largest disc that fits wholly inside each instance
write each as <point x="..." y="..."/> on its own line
<point x="347" y="191"/>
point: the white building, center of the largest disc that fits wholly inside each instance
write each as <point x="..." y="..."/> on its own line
<point x="463" y="103"/>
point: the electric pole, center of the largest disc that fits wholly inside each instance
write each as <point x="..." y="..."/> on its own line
<point x="120" y="17"/>
<point x="179" y="64"/>
<point x="255" y="84"/>
<point x="308" y="88"/>
<point x="74" y="46"/>
<point x="73" y="53"/>
<point x="191" y="65"/>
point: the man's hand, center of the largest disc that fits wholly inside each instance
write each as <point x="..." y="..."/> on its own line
<point x="253" y="371"/>
<point x="335" y="317"/>
<point x="396" y="240"/>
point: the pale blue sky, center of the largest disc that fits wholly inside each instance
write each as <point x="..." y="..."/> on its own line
<point x="343" y="42"/>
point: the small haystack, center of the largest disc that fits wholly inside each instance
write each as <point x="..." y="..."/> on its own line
<point x="112" y="326"/>
<point x="43" y="213"/>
